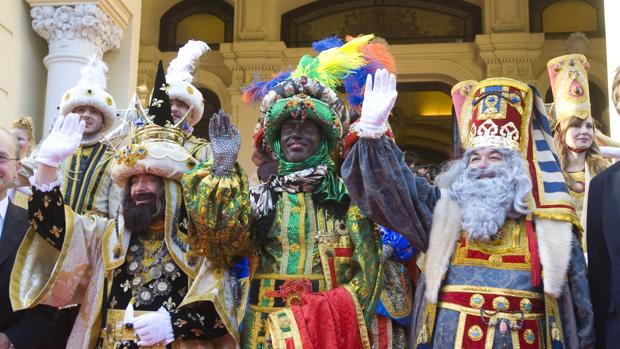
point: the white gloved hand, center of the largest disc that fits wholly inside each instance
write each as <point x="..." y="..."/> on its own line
<point x="378" y="102"/>
<point x="153" y="328"/>
<point x="62" y="141"/>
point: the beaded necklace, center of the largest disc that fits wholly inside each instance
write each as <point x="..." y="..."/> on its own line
<point x="152" y="269"/>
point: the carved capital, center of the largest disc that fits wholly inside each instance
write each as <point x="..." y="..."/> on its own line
<point x="251" y="20"/>
<point x="66" y="26"/>
<point x="510" y="54"/>
<point x="507" y="16"/>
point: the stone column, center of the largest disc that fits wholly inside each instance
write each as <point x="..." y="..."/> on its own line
<point x="74" y="33"/>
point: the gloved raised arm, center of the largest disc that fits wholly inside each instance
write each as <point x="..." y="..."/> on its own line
<point x="374" y="171"/>
<point x="62" y="141"/>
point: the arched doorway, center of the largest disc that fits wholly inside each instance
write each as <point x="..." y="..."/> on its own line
<point x="212" y="105"/>
<point x="422" y="121"/>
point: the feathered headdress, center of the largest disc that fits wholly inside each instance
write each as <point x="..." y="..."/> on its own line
<point x="309" y="90"/>
<point x="91" y="90"/>
<point x="179" y="77"/>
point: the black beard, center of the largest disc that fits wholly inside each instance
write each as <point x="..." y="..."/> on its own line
<point x="138" y="218"/>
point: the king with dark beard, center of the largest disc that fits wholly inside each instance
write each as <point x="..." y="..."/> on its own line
<point x="143" y="209"/>
<point x="502" y="263"/>
<point x="137" y="277"/>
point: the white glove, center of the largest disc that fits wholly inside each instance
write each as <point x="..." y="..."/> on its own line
<point x="62" y="141"/>
<point x="378" y="102"/>
<point x="153" y="328"/>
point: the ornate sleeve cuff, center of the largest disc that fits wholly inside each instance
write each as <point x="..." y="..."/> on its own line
<point x="43" y="187"/>
<point x="201" y="322"/>
<point x="364" y="130"/>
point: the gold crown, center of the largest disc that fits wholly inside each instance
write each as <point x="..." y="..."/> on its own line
<point x="151" y="132"/>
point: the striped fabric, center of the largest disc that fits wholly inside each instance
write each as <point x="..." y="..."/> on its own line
<point x="549" y="190"/>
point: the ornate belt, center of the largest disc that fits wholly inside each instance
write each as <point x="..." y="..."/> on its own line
<point x="269" y="291"/>
<point x="483" y="310"/>
<point x="492" y="299"/>
<point x="115" y="332"/>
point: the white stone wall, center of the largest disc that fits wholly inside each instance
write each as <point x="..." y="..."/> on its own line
<point x="23" y="77"/>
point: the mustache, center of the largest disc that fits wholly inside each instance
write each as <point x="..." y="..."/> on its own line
<point x="486" y="173"/>
<point x="144" y="197"/>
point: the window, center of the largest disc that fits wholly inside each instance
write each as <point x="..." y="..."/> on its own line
<point x="398" y="21"/>
<point x="208" y="20"/>
<point x="558" y="18"/>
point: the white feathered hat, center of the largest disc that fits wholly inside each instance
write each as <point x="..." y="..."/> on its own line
<point x="91" y="90"/>
<point x="179" y="77"/>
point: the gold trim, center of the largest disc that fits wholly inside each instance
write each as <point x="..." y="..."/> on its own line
<point x="476" y="312"/>
<point x="492" y="291"/>
<point x="301" y="237"/>
<point x="360" y="319"/>
<point x="276" y="322"/>
<point x="92" y="172"/>
<point x="171" y="226"/>
<point x="150" y="133"/>
<point x="286" y="216"/>
<point x="264" y="309"/>
<point x="24" y="253"/>
<point x="110" y="263"/>
<point x="460" y="331"/>
<point x="512" y="243"/>
<point x="488" y="344"/>
<point x="312" y="219"/>
<point x="289" y="276"/>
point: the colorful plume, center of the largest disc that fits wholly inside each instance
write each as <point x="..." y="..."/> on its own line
<point x="327" y="43"/>
<point x="377" y="56"/>
<point x="256" y="90"/>
<point x="331" y="66"/>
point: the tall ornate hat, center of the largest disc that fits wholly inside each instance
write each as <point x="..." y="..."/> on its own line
<point x="309" y="91"/>
<point x="506" y="113"/>
<point x="569" y="83"/>
<point x="91" y="90"/>
<point x="157" y="144"/>
<point x="459" y="93"/>
<point x="179" y="77"/>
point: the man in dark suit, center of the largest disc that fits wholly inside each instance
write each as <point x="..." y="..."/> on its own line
<point x="23" y="329"/>
<point x="603" y="240"/>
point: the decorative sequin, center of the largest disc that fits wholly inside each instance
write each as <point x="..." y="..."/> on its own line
<point x="476" y="301"/>
<point x="475" y="333"/>
<point x="501" y="303"/>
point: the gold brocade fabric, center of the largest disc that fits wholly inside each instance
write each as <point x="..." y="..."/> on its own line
<point x="303" y="246"/>
<point x="577" y="191"/>
<point x="306" y="243"/>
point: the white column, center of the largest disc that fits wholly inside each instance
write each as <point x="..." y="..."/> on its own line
<point x="612" y="34"/>
<point x="74" y="33"/>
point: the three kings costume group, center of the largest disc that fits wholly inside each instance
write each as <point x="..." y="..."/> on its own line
<point x="322" y="277"/>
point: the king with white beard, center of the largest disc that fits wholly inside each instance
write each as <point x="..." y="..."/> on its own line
<point x="502" y="263"/>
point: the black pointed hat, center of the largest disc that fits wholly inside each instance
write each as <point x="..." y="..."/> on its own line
<point x="160" y="112"/>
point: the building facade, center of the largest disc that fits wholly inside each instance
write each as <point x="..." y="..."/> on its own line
<point x="436" y="44"/>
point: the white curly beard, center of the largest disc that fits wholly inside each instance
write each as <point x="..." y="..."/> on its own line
<point x="484" y="202"/>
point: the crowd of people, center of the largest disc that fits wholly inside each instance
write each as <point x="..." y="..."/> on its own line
<point x="127" y="232"/>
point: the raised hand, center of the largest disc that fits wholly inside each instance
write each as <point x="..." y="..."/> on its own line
<point x="225" y="143"/>
<point x="62" y="141"/>
<point x="379" y="99"/>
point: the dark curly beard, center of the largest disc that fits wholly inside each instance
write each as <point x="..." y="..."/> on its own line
<point x="138" y="218"/>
